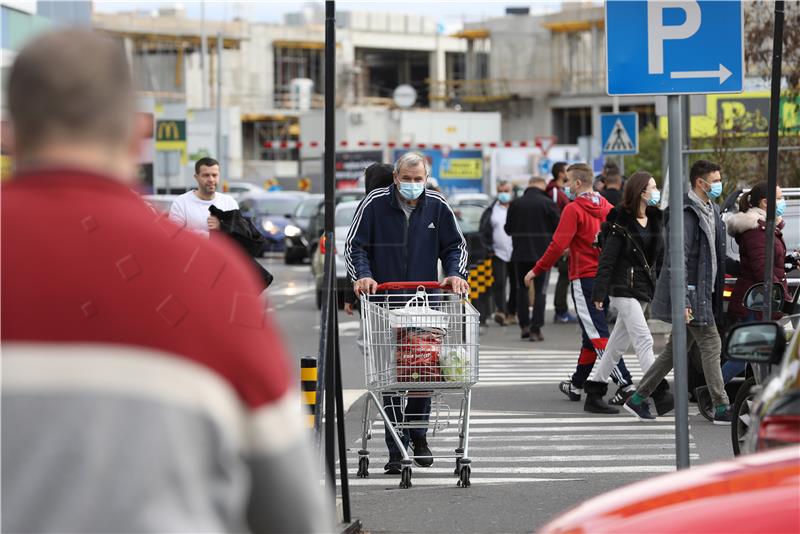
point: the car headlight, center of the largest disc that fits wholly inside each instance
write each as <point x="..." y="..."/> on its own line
<point x="269" y="227"/>
<point x="292" y="231"/>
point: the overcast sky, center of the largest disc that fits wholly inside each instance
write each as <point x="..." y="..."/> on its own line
<point x="446" y="11"/>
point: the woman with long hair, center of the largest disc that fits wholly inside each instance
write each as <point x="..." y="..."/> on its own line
<point x="632" y="241"/>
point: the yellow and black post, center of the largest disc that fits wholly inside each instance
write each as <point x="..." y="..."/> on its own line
<point x="308" y="384"/>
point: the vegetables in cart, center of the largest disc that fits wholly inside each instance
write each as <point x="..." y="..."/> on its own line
<point x="454" y="363"/>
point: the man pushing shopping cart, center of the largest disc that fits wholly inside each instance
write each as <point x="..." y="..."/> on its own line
<point x="398" y="235"/>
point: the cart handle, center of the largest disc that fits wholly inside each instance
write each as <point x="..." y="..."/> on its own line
<point x="409" y="285"/>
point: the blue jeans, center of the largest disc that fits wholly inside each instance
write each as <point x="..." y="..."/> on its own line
<point x="417" y="409"/>
<point x="732" y="369"/>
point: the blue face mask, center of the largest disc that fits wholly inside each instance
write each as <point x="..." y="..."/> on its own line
<point x="570" y="194"/>
<point x="655" y="197"/>
<point x="410" y="190"/>
<point x="716" y="190"/>
<point x="504" y="197"/>
<point x="780" y="207"/>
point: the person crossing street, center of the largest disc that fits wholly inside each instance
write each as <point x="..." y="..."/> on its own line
<point x="500" y="246"/>
<point x="398" y="234"/>
<point x="577" y="231"/>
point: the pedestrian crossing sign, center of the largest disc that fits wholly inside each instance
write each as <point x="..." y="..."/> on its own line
<point x="620" y="133"/>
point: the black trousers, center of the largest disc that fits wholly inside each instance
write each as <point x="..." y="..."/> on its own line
<point x="527" y="321"/>
<point x="562" y="287"/>
<point x="503" y="273"/>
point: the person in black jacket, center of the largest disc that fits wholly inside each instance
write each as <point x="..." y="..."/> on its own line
<point x="632" y="241"/>
<point x="531" y="221"/>
<point x="498" y="246"/>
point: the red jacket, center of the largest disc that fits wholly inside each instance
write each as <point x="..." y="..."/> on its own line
<point x="577" y="231"/>
<point x="748" y="228"/>
<point x="556" y="194"/>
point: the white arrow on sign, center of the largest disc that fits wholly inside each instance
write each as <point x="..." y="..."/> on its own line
<point x="723" y="74"/>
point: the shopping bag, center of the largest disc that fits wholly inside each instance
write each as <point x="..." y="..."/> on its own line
<point x="418" y="355"/>
<point x="454" y="363"/>
<point x="418" y="313"/>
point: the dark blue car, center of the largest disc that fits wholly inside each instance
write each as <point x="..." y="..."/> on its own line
<point x="271" y="213"/>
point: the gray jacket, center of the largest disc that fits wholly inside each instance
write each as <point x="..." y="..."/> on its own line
<point x="703" y="295"/>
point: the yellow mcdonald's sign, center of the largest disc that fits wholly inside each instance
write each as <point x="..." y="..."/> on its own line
<point x="170" y="130"/>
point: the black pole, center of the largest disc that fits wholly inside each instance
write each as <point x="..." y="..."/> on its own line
<point x="772" y="154"/>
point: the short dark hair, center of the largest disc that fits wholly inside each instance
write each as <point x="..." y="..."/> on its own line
<point x="610" y="166"/>
<point x="558" y="168"/>
<point x="205" y="162"/>
<point x="634" y="187"/>
<point x="613" y="178"/>
<point x="582" y="171"/>
<point x="701" y="169"/>
<point x="378" y="175"/>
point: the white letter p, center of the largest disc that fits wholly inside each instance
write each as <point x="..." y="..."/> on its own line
<point x="657" y="33"/>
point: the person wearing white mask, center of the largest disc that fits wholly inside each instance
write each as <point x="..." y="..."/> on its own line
<point x="499" y="246"/>
<point x="632" y="245"/>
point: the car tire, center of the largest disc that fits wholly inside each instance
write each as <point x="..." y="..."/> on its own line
<point x="319" y="299"/>
<point x="741" y="414"/>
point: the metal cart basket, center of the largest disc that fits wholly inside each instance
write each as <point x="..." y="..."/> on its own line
<point x="419" y="341"/>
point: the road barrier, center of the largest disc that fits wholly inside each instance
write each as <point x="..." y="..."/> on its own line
<point x="308" y="384"/>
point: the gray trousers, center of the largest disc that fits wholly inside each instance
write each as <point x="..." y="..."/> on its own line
<point x="710" y="345"/>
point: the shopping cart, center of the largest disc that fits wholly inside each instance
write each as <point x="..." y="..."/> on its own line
<point x="419" y="341"/>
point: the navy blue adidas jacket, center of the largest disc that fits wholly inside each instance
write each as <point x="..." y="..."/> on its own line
<point x="383" y="245"/>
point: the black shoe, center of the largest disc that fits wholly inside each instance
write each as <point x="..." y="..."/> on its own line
<point x="640" y="411"/>
<point x="594" y="398"/>
<point x="570" y="391"/>
<point x="623" y="393"/>
<point x="536" y="336"/>
<point x="723" y="418"/>
<point x="393" y="466"/>
<point x="704" y="404"/>
<point x="525" y="334"/>
<point x="422" y="449"/>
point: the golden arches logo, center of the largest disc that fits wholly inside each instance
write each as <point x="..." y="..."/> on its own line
<point x="168" y="131"/>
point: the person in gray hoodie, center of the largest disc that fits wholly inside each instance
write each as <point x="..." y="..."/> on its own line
<point x="704" y="248"/>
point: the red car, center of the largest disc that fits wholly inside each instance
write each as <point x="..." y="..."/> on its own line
<point x="758" y="493"/>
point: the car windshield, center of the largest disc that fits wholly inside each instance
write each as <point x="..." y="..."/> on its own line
<point x="469" y="217"/>
<point x="272" y="206"/>
<point x="344" y="215"/>
<point x="306" y="208"/>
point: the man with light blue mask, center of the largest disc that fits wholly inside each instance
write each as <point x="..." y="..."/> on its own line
<point x="399" y="234"/>
<point x="704" y="246"/>
<point x="499" y="247"/>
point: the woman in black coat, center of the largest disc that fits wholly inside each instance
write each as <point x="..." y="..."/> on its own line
<point x="632" y="245"/>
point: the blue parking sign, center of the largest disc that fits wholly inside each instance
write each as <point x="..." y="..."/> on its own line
<point x="661" y="47"/>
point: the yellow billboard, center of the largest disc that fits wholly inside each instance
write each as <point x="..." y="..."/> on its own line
<point x="745" y="114"/>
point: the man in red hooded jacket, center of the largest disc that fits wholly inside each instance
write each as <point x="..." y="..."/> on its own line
<point x="577" y="231"/>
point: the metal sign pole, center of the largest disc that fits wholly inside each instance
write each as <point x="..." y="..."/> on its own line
<point x="677" y="272"/>
<point x="615" y="109"/>
<point x="772" y="155"/>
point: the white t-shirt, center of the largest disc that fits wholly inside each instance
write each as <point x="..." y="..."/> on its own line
<point x="501" y="241"/>
<point x="191" y="211"/>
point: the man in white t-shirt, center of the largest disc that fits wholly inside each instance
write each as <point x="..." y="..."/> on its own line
<point x="498" y="244"/>
<point x="191" y="208"/>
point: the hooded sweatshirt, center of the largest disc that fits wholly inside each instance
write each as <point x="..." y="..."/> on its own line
<point x="577" y="231"/>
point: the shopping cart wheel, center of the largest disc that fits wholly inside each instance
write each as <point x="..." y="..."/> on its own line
<point x="363" y="467"/>
<point x="463" y="479"/>
<point x="405" y="477"/>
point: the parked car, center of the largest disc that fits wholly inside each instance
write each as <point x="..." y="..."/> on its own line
<point x="316" y="224"/>
<point x="238" y="189"/>
<point x="297" y="232"/>
<point x="271" y="213"/>
<point x="481" y="200"/>
<point x="161" y="203"/>
<point x="345" y="211"/>
<point x="767" y="408"/>
<point x="751" y="494"/>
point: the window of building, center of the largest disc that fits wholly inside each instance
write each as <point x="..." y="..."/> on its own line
<point x="571" y="123"/>
<point x="298" y="62"/>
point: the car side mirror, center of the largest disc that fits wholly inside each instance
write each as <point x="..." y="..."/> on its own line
<point x="756" y="343"/>
<point x="755" y="299"/>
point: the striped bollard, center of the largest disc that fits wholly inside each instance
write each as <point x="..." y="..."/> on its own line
<point x="308" y="383"/>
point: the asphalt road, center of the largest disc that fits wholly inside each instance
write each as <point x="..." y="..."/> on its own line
<point x="535" y="453"/>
